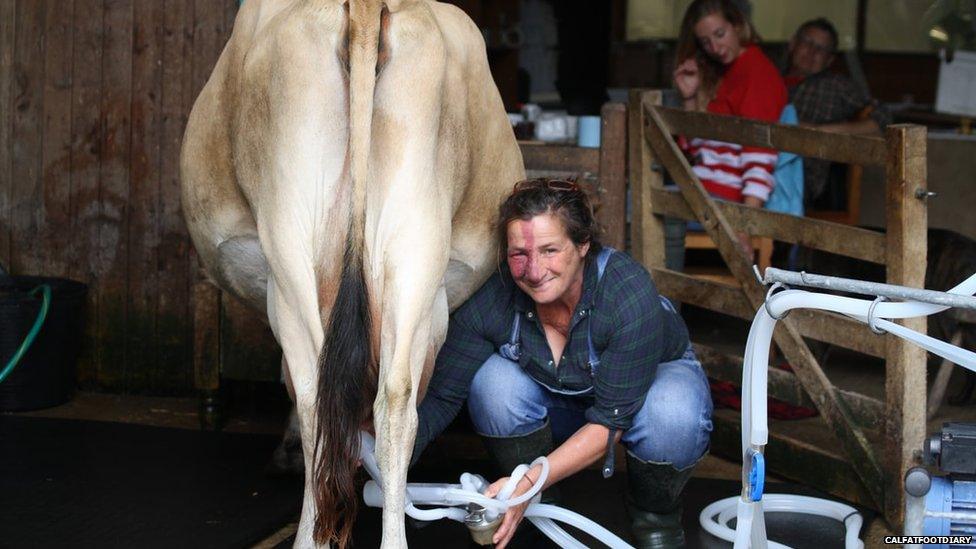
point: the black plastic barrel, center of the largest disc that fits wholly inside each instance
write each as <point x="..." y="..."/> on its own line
<point x="45" y="375"/>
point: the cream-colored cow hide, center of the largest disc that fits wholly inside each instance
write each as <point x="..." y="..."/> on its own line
<point x="341" y="171"/>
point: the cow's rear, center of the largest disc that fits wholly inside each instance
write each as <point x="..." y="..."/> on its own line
<point x="362" y="150"/>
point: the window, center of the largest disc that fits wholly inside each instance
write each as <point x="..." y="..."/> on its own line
<point x="776" y="20"/>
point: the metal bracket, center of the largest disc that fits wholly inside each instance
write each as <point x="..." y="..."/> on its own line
<point x="871" y="317"/>
<point x="769" y="294"/>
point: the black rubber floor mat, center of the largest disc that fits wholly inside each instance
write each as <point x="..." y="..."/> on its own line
<point x="84" y="484"/>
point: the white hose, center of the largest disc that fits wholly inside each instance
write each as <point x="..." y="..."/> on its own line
<point x="715" y="517"/>
<point x="450" y="496"/>
<point x="750" y="523"/>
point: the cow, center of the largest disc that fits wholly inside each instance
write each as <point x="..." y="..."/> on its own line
<point x="341" y="171"/>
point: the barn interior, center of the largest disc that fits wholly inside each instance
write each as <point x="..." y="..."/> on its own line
<point x="144" y="407"/>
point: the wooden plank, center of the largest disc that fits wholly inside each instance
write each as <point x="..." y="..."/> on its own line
<point x="845" y="148"/>
<point x="248" y="349"/>
<point x="230" y="14"/>
<point x="144" y="154"/>
<point x="7" y="31"/>
<point x="210" y="34"/>
<point x="646" y="230"/>
<point x="700" y="292"/>
<point x="811" y="462"/>
<point x="724" y="298"/>
<point x="867" y="412"/>
<point x="112" y="249"/>
<point x="208" y="40"/>
<point x="55" y="252"/>
<point x="206" y="336"/>
<point x="834" y="411"/>
<point x="174" y="371"/>
<point x="26" y="134"/>
<point x="87" y="140"/>
<point x="564" y="158"/>
<point x="906" y="220"/>
<point x="822" y="235"/>
<point x="86" y="129"/>
<point x="635" y="144"/>
<point x="612" y="214"/>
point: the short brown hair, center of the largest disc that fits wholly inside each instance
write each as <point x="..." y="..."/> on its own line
<point x="823" y="24"/>
<point x="563" y="199"/>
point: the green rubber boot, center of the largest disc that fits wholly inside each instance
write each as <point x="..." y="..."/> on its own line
<point x="510" y="452"/>
<point x="653" y="502"/>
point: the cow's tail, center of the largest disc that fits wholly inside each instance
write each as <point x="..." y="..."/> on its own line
<point x="345" y="389"/>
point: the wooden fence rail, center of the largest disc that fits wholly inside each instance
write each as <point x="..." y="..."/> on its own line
<point x="861" y="468"/>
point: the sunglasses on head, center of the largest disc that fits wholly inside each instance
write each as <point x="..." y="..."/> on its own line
<point x="551" y="184"/>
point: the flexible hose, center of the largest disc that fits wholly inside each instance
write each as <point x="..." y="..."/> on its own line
<point x="715" y="517"/>
<point x="32" y="334"/>
<point x="450" y="496"/>
<point x="750" y="524"/>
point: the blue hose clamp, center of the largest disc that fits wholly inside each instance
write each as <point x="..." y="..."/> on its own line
<point x="757" y="475"/>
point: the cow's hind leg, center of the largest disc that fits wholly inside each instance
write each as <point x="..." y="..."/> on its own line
<point x="414" y="325"/>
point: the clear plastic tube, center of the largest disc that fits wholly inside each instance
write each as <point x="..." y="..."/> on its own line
<point x="750" y="524"/>
<point x="715" y="517"/>
<point x="564" y="515"/>
<point x="559" y="536"/>
<point x="450" y="496"/>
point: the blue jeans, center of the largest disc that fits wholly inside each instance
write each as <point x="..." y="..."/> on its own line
<point x="672" y="426"/>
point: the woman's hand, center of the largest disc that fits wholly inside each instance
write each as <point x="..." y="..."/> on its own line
<point x="514" y="514"/>
<point x="687" y="78"/>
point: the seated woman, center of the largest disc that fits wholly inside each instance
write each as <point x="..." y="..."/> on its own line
<point x="570" y="341"/>
<point x="721" y="70"/>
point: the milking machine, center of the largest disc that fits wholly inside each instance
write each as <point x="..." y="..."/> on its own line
<point x="951" y="503"/>
<point x="748" y="508"/>
<point x="482" y="515"/>
<point x="940" y="507"/>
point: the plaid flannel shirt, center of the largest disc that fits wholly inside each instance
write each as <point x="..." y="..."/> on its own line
<point x="631" y="331"/>
<point x="828" y="97"/>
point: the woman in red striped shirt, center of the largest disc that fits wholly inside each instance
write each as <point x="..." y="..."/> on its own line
<point x="721" y="70"/>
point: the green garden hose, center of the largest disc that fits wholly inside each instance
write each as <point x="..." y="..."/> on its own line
<point x="38" y="322"/>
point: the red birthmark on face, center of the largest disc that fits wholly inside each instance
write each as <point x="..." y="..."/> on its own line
<point x="517" y="264"/>
<point x="520" y="261"/>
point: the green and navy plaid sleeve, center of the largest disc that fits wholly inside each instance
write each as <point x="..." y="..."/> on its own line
<point x="469" y="343"/>
<point x="642" y="334"/>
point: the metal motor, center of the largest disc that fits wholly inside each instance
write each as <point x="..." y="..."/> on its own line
<point x="950" y="500"/>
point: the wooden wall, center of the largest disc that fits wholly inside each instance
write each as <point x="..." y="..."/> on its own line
<point x="94" y="96"/>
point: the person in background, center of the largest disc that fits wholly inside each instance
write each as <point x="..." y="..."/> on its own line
<point x="823" y="99"/>
<point x="720" y="69"/>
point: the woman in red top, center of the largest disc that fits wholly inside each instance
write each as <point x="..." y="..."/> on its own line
<point x="720" y="69"/>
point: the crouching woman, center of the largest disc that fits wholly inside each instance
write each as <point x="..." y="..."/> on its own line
<point x="566" y="350"/>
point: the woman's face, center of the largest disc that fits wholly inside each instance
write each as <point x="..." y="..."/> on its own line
<point x="719" y="38"/>
<point x="544" y="261"/>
